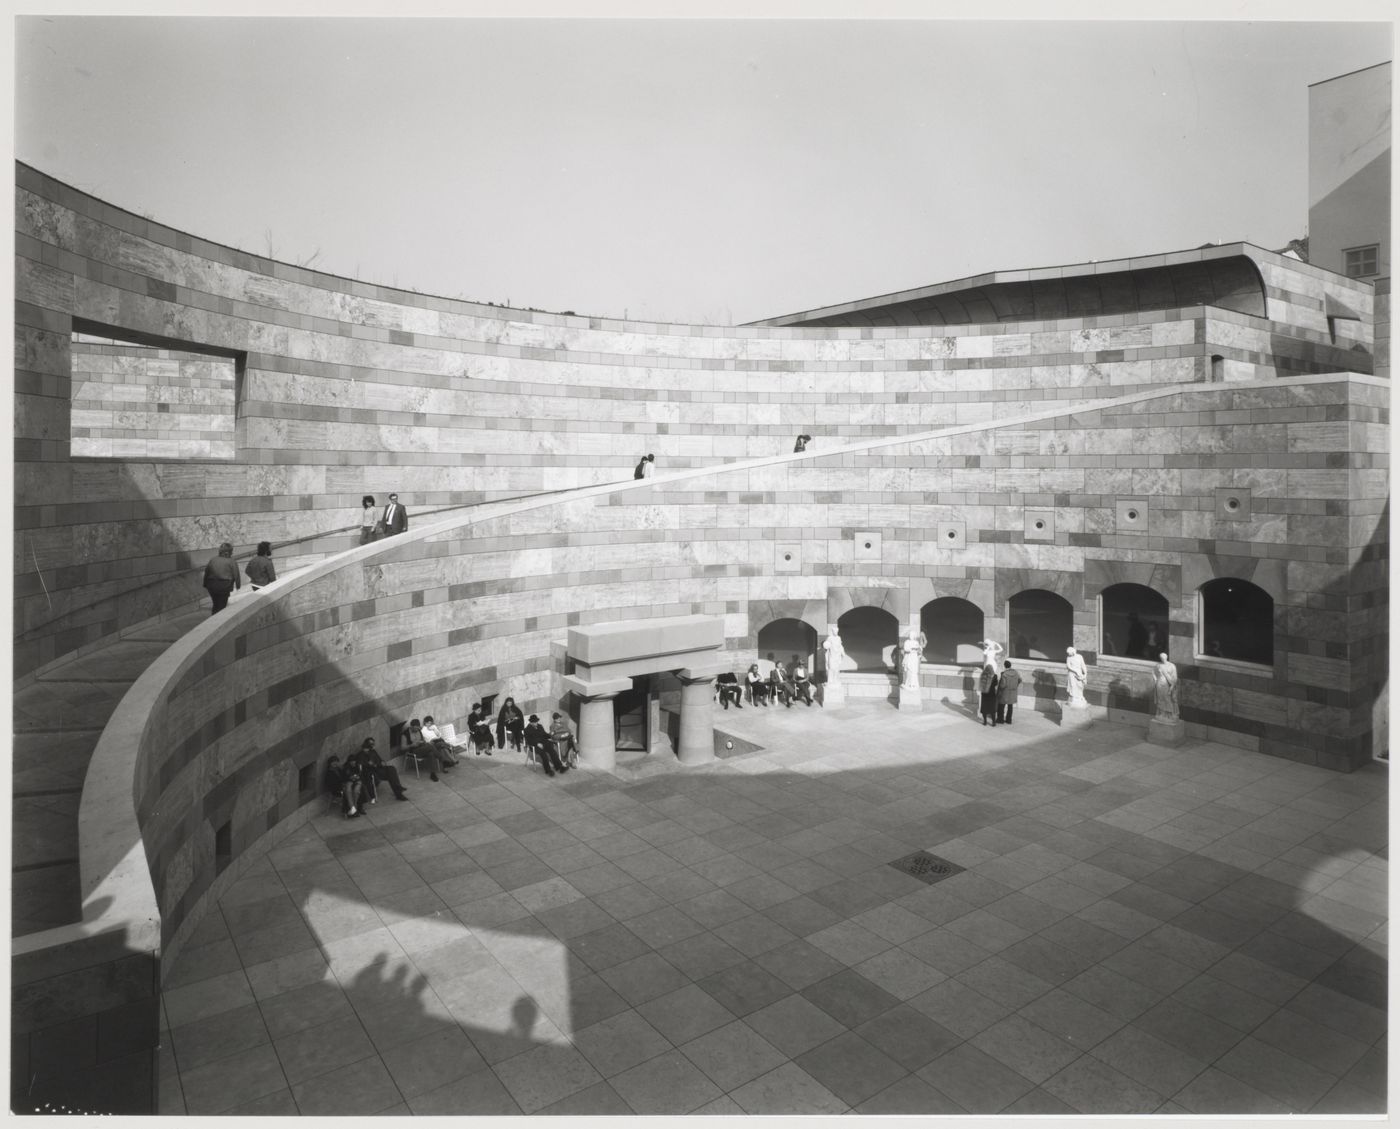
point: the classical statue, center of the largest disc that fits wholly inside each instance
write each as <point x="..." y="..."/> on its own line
<point x="991" y="652"/>
<point x="835" y="655"/>
<point x="1166" y="689"/>
<point x="1078" y="675"/>
<point x="911" y="654"/>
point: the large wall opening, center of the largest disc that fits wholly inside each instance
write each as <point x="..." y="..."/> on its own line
<point x="1235" y="621"/>
<point x="1041" y="625"/>
<point x="139" y="397"/>
<point x="783" y="638"/>
<point x="1133" y="622"/>
<point x="871" y="637"/>
<point x="953" y="630"/>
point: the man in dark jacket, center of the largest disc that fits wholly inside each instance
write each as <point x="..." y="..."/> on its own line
<point x="374" y="768"/>
<point x="395" y="517"/>
<point x="261" y="570"/>
<point x="1007" y="687"/>
<point x="221" y="577"/>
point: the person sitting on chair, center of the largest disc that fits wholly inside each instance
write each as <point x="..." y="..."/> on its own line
<point x="510" y="723"/>
<point x="801" y="684"/>
<point x="446" y="753"/>
<point x="758" y="689"/>
<point x="779" y="688"/>
<point x="727" y="685"/>
<point x="542" y="745"/>
<point x="345" y="781"/>
<point x="419" y="746"/>
<point x="564" y="744"/>
<point x="374" y="769"/>
<point x="479" y="730"/>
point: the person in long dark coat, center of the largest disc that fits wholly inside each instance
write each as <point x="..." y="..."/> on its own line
<point x="988" y="687"/>
<point x="510" y="722"/>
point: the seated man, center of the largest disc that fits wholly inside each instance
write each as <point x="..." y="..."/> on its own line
<point x="729" y="691"/>
<point x="374" y="769"/>
<point x="415" y="744"/>
<point x="801" y="684"/>
<point x="479" y="730"/>
<point x="564" y="745"/>
<point x="345" y="781"/>
<point x="780" y="689"/>
<point x="758" y="688"/>
<point x="542" y="745"/>
<point x="446" y="753"/>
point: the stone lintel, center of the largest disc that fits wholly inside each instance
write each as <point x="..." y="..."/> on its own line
<point x="640" y="639"/>
<point x="594" y="688"/>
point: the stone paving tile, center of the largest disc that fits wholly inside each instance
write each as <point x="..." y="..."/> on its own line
<point x="752" y="906"/>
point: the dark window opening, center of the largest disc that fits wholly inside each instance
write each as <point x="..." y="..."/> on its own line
<point x="953" y="630"/>
<point x="1041" y="625"/>
<point x="1236" y="621"/>
<point x="1133" y="622"/>
<point x="223" y="847"/>
<point x="870" y="637"/>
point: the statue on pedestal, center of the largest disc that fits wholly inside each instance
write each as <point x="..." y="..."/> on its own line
<point x="911" y="654"/>
<point x="835" y="655"/>
<point x="1165" y="685"/>
<point x="1078" y="676"/>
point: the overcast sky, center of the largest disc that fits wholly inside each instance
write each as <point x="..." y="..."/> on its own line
<point x="713" y="171"/>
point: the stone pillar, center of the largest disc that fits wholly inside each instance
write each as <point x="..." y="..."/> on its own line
<point x="597" y="732"/>
<point x="697" y="744"/>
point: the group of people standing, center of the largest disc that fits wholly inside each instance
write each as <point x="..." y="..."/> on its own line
<point x="998" y="688"/>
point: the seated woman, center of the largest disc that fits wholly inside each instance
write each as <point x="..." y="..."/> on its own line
<point x="542" y="745"/>
<point x="479" y="730"/>
<point x="779" y="688"/>
<point x="346" y="781"/>
<point x="758" y="689"/>
<point x="510" y="723"/>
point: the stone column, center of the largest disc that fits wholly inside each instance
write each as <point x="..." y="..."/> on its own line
<point x="597" y="732"/>
<point x="697" y="744"/>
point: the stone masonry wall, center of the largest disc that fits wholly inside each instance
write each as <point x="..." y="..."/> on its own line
<point x="352" y="388"/>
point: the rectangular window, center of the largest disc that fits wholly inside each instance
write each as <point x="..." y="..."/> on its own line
<point x="146" y="398"/>
<point x="1362" y="262"/>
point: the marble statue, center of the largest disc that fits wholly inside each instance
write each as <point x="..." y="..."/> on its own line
<point x="911" y="654"/>
<point x="835" y="655"/>
<point x="991" y="653"/>
<point x="1078" y="675"/>
<point x="1165" y="685"/>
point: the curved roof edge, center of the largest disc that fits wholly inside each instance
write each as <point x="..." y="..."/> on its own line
<point x="1144" y="282"/>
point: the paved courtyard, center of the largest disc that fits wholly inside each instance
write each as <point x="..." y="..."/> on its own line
<point x="1135" y="930"/>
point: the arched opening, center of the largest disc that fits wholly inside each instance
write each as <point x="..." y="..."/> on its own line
<point x="1041" y="625"/>
<point x="1236" y="621"/>
<point x="1217" y="368"/>
<point x="1132" y="622"/>
<point x="953" y="628"/>
<point x="871" y="637"/>
<point x="783" y="638"/>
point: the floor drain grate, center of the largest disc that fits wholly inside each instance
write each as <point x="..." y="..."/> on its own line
<point x="927" y="867"/>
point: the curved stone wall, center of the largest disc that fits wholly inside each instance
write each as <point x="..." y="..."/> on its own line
<point x="434" y="620"/>
<point x="346" y="388"/>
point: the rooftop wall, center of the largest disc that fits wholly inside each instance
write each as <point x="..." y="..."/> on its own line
<point x="346" y="388"/>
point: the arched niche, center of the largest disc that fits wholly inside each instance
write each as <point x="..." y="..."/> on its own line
<point x="1040" y="625"/>
<point x="780" y="640"/>
<point x="1235" y="620"/>
<point x="1133" y="622"/>
<point x="953" y="628"/>
<point x="870" y="637"/>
